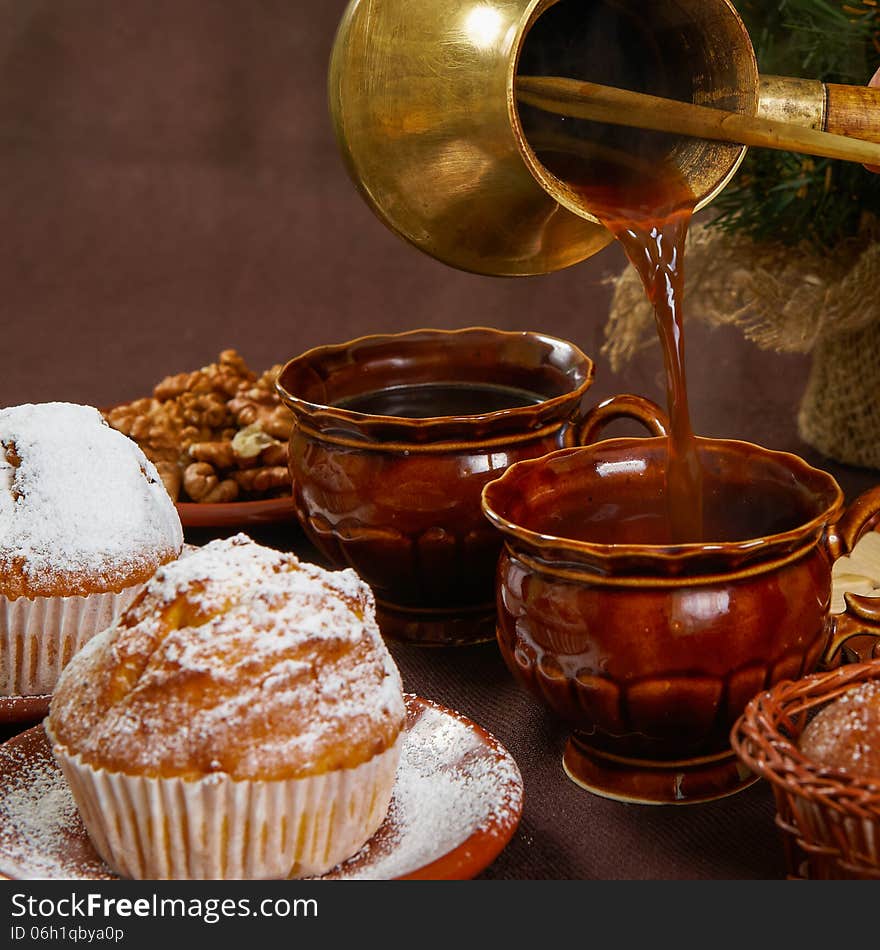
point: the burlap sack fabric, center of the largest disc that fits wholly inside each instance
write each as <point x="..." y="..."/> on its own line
<point x="796" y="300"/>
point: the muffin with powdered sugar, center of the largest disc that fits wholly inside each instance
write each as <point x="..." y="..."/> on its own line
<point x="242" y="719"/>
<point x="84" y="522"/>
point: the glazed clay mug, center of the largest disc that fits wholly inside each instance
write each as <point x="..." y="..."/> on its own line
<point x="651" y="650"/>
<point x="394" y="439"/>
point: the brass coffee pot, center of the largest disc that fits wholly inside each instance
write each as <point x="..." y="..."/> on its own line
<point x="422" y="94"/>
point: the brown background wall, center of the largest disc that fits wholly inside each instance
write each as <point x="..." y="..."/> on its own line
<point x="170" y="186"/>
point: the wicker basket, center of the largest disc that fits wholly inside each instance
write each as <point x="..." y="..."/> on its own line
<point x="830" y="821"/>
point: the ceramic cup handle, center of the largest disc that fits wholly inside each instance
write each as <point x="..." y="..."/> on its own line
<point x="642" y="410"/>
<point x="862" y="617"/>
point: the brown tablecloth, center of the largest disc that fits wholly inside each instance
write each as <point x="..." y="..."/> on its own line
<point x="170" y="186"/>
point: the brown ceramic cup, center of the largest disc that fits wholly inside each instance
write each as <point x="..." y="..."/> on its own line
<point x="651" y="651"/>
<point x="388" y="471"/>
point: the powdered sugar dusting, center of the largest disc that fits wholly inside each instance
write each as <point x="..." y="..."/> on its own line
<point x="276" y="588"/>
<point x="41" y="833"/>
<point x="450" y="785"/>
<point x="78" y="498"/>
<point x="238" y="658"/>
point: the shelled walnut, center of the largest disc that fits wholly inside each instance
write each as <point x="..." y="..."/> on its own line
<point x="215" y="434"/>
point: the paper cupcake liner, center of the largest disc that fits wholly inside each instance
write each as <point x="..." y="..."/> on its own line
<point x="217" y="828"/>
<point x="40" y="635"/>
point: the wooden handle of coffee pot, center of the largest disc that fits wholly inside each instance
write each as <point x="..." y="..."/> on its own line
<point x="853" y="111"/>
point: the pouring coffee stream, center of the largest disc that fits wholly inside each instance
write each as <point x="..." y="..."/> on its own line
<point x="647" y="205"/>
<point x="648" y="208"/>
